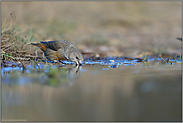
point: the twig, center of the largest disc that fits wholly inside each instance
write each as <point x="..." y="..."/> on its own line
<point x="8" y="46"/>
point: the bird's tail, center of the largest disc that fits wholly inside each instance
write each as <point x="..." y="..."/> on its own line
<point x="36" y="44"/>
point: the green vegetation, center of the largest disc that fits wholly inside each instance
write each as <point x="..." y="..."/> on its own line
<point x="14" y="40"/>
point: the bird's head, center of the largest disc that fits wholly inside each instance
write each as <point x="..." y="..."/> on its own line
<point x="76" y="57"/>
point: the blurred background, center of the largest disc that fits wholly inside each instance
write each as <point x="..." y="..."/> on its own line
<point x="113" y="28"/>
<point x="117" y="89"/>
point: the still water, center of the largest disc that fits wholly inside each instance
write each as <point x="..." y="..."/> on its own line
<point x="96" y="92"/>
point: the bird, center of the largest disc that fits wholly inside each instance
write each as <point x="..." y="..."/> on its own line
<point x="60" y="50"/>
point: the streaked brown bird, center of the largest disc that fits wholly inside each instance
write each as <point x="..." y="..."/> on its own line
<point x="60" y="50"/>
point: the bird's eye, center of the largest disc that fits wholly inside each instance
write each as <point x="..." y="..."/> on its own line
<point x="77" y="57"/>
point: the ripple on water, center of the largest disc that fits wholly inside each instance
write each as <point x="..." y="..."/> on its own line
<point x="111" y="62"/>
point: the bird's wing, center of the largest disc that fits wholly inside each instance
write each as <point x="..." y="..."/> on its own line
<point x="56" y="45"/>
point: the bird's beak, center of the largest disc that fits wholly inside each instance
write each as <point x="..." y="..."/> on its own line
<point x="80" y="63"/>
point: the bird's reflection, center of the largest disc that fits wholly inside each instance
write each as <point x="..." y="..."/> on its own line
<point x="64" y="77"/>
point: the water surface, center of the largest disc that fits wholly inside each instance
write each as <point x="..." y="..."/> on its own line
<point x="93" y="92"/>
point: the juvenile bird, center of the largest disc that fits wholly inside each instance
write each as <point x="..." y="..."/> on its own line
<point x="60" y="50"/>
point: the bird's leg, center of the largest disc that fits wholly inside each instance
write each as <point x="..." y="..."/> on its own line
<point x="58" y="62"/>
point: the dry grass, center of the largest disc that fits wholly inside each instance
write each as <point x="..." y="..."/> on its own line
<point x="116" y="28"/>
